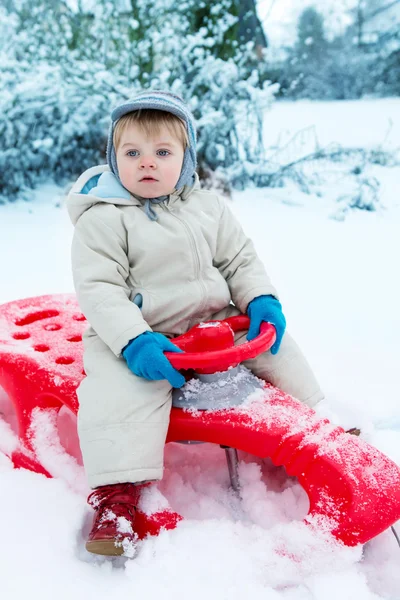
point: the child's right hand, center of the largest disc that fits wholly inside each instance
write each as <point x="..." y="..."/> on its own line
<point x="145" y="357"/>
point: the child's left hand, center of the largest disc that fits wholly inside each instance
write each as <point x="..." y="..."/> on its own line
<point x="269" y="309"/>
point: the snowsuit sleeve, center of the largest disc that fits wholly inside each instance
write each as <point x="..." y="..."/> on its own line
<point x="100" y="269"/>
<point x="238" y="262"/>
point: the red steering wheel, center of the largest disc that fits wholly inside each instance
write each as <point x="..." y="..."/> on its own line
<point x="209" y="346"/>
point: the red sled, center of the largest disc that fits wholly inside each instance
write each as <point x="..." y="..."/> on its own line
<point x="350" y="484"/>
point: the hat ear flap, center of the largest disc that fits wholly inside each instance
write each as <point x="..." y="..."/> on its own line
<point x="110" y="152"/>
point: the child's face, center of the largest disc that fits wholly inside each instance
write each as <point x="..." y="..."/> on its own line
<point x="159" y="158"/>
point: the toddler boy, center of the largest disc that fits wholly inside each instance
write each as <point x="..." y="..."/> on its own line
<point x="152" y="255"/>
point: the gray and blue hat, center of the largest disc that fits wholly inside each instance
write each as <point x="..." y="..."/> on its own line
<point x="167" y="102"/>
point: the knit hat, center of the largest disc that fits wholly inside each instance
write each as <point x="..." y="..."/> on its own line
<point x="167" y="102"/>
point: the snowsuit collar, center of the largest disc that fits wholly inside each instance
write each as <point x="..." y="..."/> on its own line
<point x="98" y="184"/>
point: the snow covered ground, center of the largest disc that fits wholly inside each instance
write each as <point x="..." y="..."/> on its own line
<point x="340" y="290"/>
<point x="352" y="123"/>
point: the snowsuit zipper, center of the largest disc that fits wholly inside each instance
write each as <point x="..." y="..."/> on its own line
<point x="196" y="257"/>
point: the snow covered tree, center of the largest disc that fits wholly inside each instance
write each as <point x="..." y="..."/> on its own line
<point x="388" y="76"/>
<point x="304" y="75"/>
<point x="373" y="17"/>
<point x="311" y="40"/>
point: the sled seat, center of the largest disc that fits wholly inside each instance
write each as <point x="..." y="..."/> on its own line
<point x="353" y="489"/>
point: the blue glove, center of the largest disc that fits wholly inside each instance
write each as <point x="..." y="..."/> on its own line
<point x="145" y="357"/>
<point x="266" y="308"/>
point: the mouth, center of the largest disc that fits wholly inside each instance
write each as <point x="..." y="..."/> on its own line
<point x="148" y="179"/>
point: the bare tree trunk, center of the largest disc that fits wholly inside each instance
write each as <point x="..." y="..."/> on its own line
<point x="360" y="22"/>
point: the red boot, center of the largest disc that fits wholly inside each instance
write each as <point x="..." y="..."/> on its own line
<point x="113" y="532"/>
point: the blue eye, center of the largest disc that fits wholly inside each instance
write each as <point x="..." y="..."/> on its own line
<point x="135" y="153"/>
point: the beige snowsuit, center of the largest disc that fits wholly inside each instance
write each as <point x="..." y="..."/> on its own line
<point x="188" y="266"/>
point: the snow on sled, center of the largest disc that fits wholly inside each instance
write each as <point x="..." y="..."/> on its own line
<point x="349" y="483"/>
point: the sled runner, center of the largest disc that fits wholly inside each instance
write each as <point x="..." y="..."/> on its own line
<point x="350" y="484"/>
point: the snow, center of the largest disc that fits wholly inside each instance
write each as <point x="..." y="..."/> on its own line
<point x="340" y="291"/>
<point x="366" y="124"/>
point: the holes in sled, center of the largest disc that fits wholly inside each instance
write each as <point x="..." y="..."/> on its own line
<point x="79" y="317"/>
<point x="41" y="348"/>
<point x="36" y="316"/>
<point x="75" y="338"/>
<point x="65" y="360"/>
<point x="52" y="326"/>
<point x="21" y="335"/>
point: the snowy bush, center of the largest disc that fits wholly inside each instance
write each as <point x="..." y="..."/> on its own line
<point x="66" y="67"/>
<point x="49" y="126"/>
<point x="228" y="106"/>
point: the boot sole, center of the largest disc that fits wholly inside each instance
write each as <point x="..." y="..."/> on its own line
<point x="104" y="547"/>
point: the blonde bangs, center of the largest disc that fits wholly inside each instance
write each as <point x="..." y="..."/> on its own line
<point x="150" y="122"/>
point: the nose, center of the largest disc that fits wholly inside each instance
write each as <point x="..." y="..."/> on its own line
<point x="147" y="162"/>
